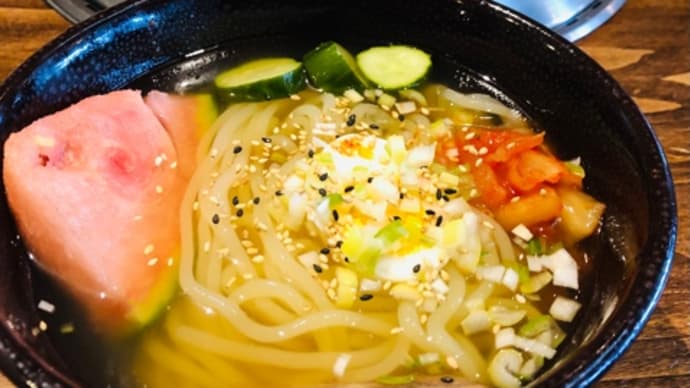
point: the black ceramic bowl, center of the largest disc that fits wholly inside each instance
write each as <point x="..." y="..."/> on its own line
<point x="476" y="45"/>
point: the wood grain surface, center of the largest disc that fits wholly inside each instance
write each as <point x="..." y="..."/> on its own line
<point x="646" y="47"/>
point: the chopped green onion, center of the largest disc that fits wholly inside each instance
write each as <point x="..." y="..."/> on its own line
<point x="324" y="158"/>
<point x="534" y="247"/>
<point x="392" y="232"/>
<point x="536" y="325"/>
<point x="522" y="271"/>
<point x="395" y="380"/>
<point x="334" y="200"/>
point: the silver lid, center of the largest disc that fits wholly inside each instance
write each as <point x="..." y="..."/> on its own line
<point x="572" y="19"/>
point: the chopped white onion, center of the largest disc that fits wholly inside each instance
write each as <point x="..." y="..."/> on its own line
<point x="421" y="155"/>
<point x="522" y="232"/>
<point x="492" y="273"/>
<point x="564" y="309"/>
<point x="510" y="279"/>
<point x="405" y="107"/>
<point x="534" y="263"/>
<point x="505" y="337"/>
<point x="535" y="347"/>
<point x="353" y="96"/>
<point x="475" y="321"/>
<point x="384" y="189"/>
<point x="293" y="184"/>
<point x="375" y="210"/>
<point x="564" y="269"/>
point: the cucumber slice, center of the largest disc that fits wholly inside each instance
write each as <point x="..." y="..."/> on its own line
<point x="332" y="68"/>
<point x="262" y="79"/>
<point x="394" y="67"/>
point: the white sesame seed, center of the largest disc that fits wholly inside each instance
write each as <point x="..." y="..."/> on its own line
<point x="152" y="262"/>
<point x="149" y="249"/>
<point x="46" y="306"/>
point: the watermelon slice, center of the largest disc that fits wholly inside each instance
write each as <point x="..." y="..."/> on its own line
<point x="96" y="194"/>
<point x="186" y="118"/>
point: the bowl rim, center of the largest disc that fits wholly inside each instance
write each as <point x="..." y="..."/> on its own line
<point x="582" y="369"/>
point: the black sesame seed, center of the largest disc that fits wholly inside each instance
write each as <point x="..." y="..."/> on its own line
<point x="323" y="176"/>
<point x="417" y="268"/>
<point x="396" y="218"/>
<point x="317" y="268"/>
<point x="439" y="220"/>
<point x="373" y="126"/>
<point x="439" y="194"/>
<point x="339" y="243"/>
<point x="351" y="120"/>
<point x="256" y="200"/>
<point x="401" y="117"/>
<point x="402" y="195"/>
<point x="235" y="201"/>
<point x="430" y="212"/>
<point x="323" y="192"/>
<point x="310" y="153"/>
<point x="266" y="140"/>
<point x="365" y="297"/>
<point x="239" y="213"/>
<point x="347" y="259"/>
<point x="446" y="198"/>
<point x="335" y="215"/>
<point x="447" y="380"/>
<point x="325" y="251"/>
<point x="349" y="188"/>
<point x="450" y="191"/>
<point x="370" y="179"/>
<point x="215" y="219"/>
<point x="278" y="193"/>
<point x="237" y="149"/>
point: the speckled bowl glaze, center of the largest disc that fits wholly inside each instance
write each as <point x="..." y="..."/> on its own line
<point x="180" y="44"/>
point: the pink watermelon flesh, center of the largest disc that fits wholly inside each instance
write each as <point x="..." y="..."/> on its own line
<point x="97" y="202"/>
<point x="185" y="118"/>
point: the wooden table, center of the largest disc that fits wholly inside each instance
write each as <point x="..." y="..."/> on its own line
<point x="647" y="49"/>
